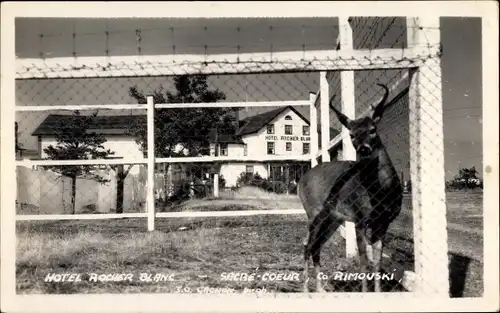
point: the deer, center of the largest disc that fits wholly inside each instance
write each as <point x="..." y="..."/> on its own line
<point x="367" y="192"/>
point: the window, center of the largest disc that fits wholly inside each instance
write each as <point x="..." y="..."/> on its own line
<point x="288" y="130"/>
<point x="223" y="149"/>
<point x="288" y="146"/>
<point x="245" y="149"/>
<point x="305" y="130"/>
<point x="288" y="118"/>
<point x="305" y="148"/>
<point x="249" y="169"/>
<point x="270" y="148"/>
<point x="270" y="129"/>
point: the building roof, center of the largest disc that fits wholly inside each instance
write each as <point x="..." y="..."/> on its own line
<point x="255" y="123"/>
<point x="119" y="124"/>
<point x="109" y="125"/>
<point x="225" y="138"/>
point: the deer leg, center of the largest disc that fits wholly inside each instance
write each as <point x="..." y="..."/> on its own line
<point x="363" y="258"/>
<point x="306" y="262"/>
<point x="317" y="268"/>
<point x="322" y="232"/>
<point x="377" y="256"/>
<point x="314" y="249"/>
<point x="377" y="247"/>
<point x="369" y="252"/>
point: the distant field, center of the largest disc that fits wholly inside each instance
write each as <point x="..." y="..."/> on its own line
<point x="207" y="247"/>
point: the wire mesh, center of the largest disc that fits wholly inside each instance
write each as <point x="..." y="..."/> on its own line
<point x="246" y="132"/>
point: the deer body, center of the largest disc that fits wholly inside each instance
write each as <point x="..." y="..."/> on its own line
<point x="367" y="192"/>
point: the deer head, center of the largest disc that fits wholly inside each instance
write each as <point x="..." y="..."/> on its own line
<point x="363" y="131"/>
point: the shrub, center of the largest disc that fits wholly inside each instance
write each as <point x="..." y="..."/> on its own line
<point x="467" y="178"/>
<point x="249" y="179"/>
<point x="181" y="190"/>
<point x="269" y="185"/>
<point x="222" y="182"/>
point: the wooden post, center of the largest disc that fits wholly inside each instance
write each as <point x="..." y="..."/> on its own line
<point x="427" y="164"/>
<point x="216" y="173"/>
<point x="287" y="177"/>
<point x="150" y="199"/>
<point x="349" y="109"/>
<point x="313" y="129"/>
<point x="191" y="187"/>
<point x="347" y="90"/>
<point x="325" y="116"/>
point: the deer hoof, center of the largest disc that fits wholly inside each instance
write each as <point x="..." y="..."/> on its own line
<point x="364" y="288"/>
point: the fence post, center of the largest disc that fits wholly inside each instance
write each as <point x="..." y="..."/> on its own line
<point x="216" y="164"/>
<point x="427" y="163"/>
<point x="325" y="116"/>
<point x="216" y="185"/>
<point x="150" y="200"/>
<point x="313" y="128"/>
<point x="349" y="109"/>
<point x="347" y="90"/>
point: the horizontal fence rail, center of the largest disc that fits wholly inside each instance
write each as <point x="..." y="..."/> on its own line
<point x="42" y="108"/>
<point x="256" y="104"/>
<point x="231" y="63"/>
<point x="32" y="108"/>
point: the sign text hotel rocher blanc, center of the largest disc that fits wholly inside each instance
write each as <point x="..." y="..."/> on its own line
<point x="288" y="138"/>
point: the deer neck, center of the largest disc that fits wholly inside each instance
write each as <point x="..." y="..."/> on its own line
<point x="378" y="172"/>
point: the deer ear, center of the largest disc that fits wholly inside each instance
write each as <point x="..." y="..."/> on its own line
<point x="378" y="110"/>
<point x="344" y="120"/>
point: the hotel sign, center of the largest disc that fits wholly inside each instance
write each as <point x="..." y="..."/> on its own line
<point x="288" y="138"/>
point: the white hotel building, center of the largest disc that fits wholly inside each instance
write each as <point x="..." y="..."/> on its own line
<point x="280" y="132"/>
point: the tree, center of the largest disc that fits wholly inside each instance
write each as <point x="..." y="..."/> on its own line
<point x="468" y="173"/>
<point x="467" y="178"/>
<point x="121" y="175"/>
<point x="184" y="128"/>
<point x="18" y="145"/>
<point x="75" y="142"/>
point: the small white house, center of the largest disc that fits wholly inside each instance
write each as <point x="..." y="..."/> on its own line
<point x="114" y="128"/>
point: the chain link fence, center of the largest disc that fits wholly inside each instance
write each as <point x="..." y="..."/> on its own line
<point x="268" y="151"/>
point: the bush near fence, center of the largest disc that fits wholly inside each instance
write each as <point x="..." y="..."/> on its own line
<point x="278" y="186"/>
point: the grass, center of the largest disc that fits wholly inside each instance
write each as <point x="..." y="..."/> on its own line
<point x="208" y="247"/>
<point x="250" y="192"/>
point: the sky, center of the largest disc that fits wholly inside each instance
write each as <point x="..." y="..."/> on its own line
<point x="51" y="38"/>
